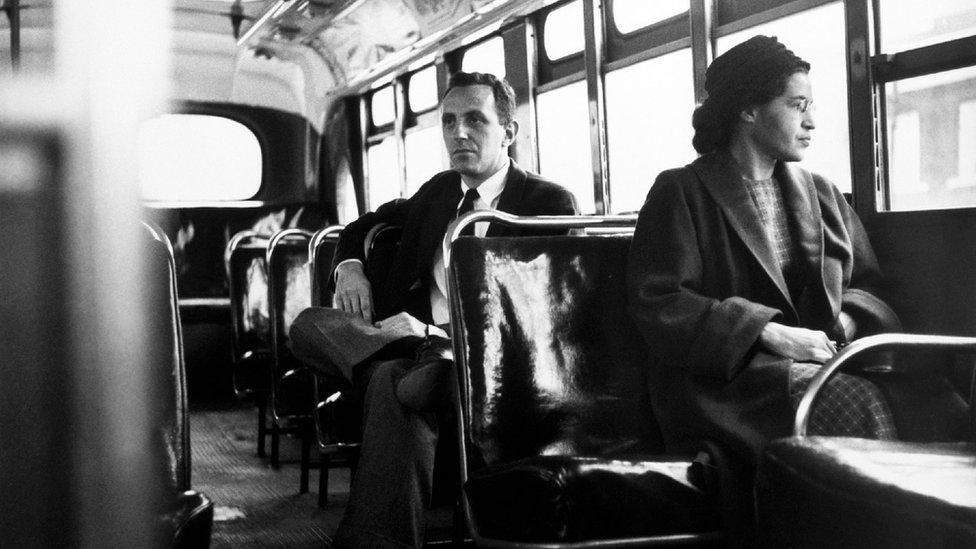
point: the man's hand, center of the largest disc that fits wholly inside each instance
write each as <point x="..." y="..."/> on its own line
<point x="353" y="293"/>
<point x="404" y="321"/>
<point x="799" y="344"/>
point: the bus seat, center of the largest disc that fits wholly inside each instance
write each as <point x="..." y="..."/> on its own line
<point x="559" y="443"/>
<point x="289" y="293"/>
<point x="321" y="250"/>
<point x="190" y="517"/>
<point x="850" y="492"/>
<point x="381" y="245"/>
<point x="336" y="418"/>
<point x="339" y="406"/>
<point x="245" y="264"/>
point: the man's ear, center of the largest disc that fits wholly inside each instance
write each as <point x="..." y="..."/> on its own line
<point x="511" y="130"/>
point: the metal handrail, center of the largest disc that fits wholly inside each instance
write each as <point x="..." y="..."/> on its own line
<point x="540" y="221"/>
<point x="371" y="235"/>
<point x="238" y="240"/>
<point x="319" y="238"/>
<point x="314" y="245"/>
<point x="878" y="342"/>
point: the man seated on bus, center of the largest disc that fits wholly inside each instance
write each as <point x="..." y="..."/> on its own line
<point x="393" y="481"/>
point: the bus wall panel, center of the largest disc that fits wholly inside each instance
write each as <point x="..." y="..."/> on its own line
<point x="929" y="262"/>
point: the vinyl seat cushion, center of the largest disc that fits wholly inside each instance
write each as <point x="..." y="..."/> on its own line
<point x="851" y="492"/>
<point x="576" y="498"/>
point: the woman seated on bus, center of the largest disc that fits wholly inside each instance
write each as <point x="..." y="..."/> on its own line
<point x="747" y="272"/>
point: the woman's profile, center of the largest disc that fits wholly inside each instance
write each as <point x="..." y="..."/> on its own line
<point x="747" y="271"/>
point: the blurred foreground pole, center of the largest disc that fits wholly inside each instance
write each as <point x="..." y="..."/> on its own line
<point x="76" y="402"/>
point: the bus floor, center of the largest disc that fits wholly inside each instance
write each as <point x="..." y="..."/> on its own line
<point x="256" y="505"/>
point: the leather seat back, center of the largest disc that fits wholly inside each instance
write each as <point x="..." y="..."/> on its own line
<point x="247" y="280"/>
<point x="555" y="364"/>
<point x="188" y="514"/>
<point x="289" y="293"/>
<point x="381" y="245"/>
<point x="321" y="252"/>
<point x="166" y="357"/>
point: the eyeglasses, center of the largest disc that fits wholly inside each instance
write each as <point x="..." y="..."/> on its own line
<point x="801" y="105"/>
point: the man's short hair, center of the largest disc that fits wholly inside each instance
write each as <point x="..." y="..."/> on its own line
<point x="500" y="88"/>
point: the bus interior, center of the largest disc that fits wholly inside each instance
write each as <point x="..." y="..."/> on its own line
<point x="241" y="135"/>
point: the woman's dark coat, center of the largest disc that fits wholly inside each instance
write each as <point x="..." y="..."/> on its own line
<point x="704" y="282"/>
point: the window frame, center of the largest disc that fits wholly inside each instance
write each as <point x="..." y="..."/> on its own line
<point x="562" y="71"/>
<point x="607" y="49"/>
<point x="647" y="42"/>
<point x="869" y="70"/>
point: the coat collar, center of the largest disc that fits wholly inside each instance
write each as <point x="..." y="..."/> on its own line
<point x="444" y="207"/>
<point x="721" y="178"/>
<point x="511" y="198"/>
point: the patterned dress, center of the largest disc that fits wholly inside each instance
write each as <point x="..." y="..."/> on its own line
<point x="848" y="405"/>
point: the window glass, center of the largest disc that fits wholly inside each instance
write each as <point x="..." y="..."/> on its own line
<point x="630" y="15"/>
<point x="908" y="24"/>
<point x="564" y="141"/>
<point x="931" y="123"/>
<point x="423" y="90"/>
<point x="382" y="106"/>
<point x="384" y="176"/>
<point x="817" y="35"/>
<point x="648" y="125"/>
<point x="191" y="157"/>
<point x="488" y="56"/>
<point x="425" y="156"/>
<point x="564" y="34"/>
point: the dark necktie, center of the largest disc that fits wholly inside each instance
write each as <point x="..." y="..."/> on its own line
<point x="466" y="206"/>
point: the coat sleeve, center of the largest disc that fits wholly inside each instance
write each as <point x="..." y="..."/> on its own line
<point x="860" y="295"/>
<point x="353" y="236"/>
<point x="547" y="198"/>
<point x="708" y="336"/>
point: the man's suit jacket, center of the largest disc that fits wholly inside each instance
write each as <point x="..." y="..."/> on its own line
<point x="704" y="282"/>
<point x="424" y="218"/>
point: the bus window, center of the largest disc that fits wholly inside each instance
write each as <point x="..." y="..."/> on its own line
<point x="930" y="119"/>
<point x="422" y="94"/>
<point x="382" y="107"/>
<point x="631" y="15"/>
<point x="905" y="172"/>
<point x="927" y="23"/>
<point x="817" y="35"/>
<point x="191" y="157"/>
<point x="931" y="124"/>
<point x="563" y="31"/>
<point x="648" y="125"/>
<point x="564" y="141"/>
<point x="487" y="56"/>
<point x="383" y="176"/>
<point x="425" y="156"/>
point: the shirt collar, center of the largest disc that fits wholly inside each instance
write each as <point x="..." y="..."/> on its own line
<point x="489" y="190"/>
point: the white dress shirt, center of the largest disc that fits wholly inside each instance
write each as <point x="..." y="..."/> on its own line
<point x="488" y="194"/>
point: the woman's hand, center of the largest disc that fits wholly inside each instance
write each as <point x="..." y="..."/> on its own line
<point x="799" y="344"/>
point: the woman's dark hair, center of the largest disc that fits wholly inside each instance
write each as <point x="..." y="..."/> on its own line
<point x="500" y="88"/>
<point x="752" y="73"/>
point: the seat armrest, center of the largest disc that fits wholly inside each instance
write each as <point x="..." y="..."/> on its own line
<point x="880" y="342"/>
